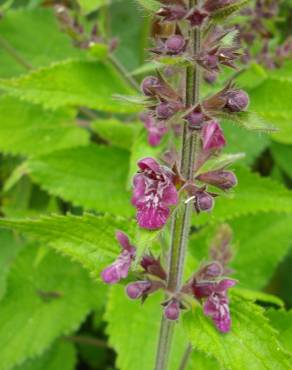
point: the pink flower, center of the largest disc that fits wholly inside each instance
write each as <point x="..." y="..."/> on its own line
<point x="156" y="129"/>
<point x="216" y="304"/>
<point x="172" y="310"/>
<point x="212" y="135"/>
<point x="154" y="192"/>
<point x="120" y="268"/>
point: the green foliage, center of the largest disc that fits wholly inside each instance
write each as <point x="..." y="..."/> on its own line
<point x="251" y="344"/>
<point x="151" y="5"/>
<point x="70" y="83"/>
<point x="89" y="240"/>
<point x="282" y="322"/>
<point x="226" y="11"/>
<point x="133" y="331"/>
<point x="115" y="132"/>
<point x="29" y="130"/>
<point x="48" y="297"/>
<point x="91" y="176"/>
<point x="38" y="44"/>
<point x="282" y="154"/>
<point x="253" y="194"/>
<point x="61" y="356"/>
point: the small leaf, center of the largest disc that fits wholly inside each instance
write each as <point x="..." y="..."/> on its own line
<point x="72" y="83"/>
<point x="220" y="162"/>
<point x="89" y="239"/>
<point x="251" y="344"/>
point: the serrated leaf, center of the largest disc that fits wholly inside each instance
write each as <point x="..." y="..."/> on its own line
<point x="261" y="242"/>
<point x="30" y="130"/>
<point x="251" y="343"/>
<point x="226" y="11"/>
<point x="220" y="162"/>
<point x="282" y="322"/>
<point x="133" y="331"/>
<point x="61" y="356"/>
<point x="89" y="240"/>
<point x="118" y="133"/>
<point x="253" y="295"/>
<point x="253" y="194"/>
<point x="9" y="248"/>
<point x="20" y="51"/>
<point x="282" y="155"/>
<point x="93" y="177"/>
<point x="72" y="83"/>
<point x="48" y="298"/>
<point x="199" y="361"/>
<point x="251" y="121"/>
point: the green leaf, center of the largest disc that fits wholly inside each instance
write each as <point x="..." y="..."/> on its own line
<point x="220" y="162"/>
<point x="251" y="121"/>
<point x="118" y="133"/>
<point x="74" y="82"/>
<point x="261" y="242"/>
<point x="253" y="194"/>
<point x="29" y="130"/>
<point x="151" y="5"/>
<point x="199" y="361"/>
<point x="88" y="6"/>
<point x="282" y="322"/>
<point x="9" y="249"/>
<point x="133" y="331"/>
<point x="251" y="343"/>
<point x="282" y="155"/>
<point x="254" y="295"/>
<point x="48" y="297"/>
<point x="226" y="11"/>
<point x="89" y="240"/>
<point x="20" y="51"/>
<point x="93" y="177"/>
<point x="61" y="355"/>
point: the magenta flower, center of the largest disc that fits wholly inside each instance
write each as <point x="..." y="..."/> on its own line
<point x="120" y="268"/>
<point x="154" y="193"/>
<point x="172" y="310"/>
<point x="212" y="135"/>
<point x="138" y="289"/>
<point x="216" y="304"/>
<point x="156" y="129"/>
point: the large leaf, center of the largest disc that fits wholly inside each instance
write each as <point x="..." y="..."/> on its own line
<point x="251" y="343"/>
<point x="61" y="356"/>
<point x="74" y="82"/>
<point x="89" y="239"/>
<point x="133" y="331"/>
<point x="283" y="154"/>
<point x="9" y="248"/>
<point x="93" y="177"/>
<point x="253" y="194"/>
<point x="261" y="242"/>
<point x="29" y="130"/>
<point x="282" y="321"/>
<point x="22" y="44"/>
<point x="47" y="297"/>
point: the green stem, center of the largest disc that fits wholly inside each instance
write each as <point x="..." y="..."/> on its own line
<point x="14" y="54"/>
<point x="125" y="74"/>
<point x="186" y="357"/>
<point x="181" y="218"/>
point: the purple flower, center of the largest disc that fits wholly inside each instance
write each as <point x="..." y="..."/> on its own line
<point x="237" y="101"/>
<point x="196" y="17"/>
<point x="154" y="192"/>
<point x="156" y="129"/>
<point x="138" y="289"/>
<point x="172" y="309"/>
<point x="175" y="44"/>
<point x="172" y="12"/>
<point x="212" y="135"/>
<point x="216" y="304"/>
<point x="224" y="180"/>
<point x="120" y="268"/>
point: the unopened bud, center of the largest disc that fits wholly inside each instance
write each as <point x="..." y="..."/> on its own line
<point x="196" y="17"/>
<point x="175" y="44"/>
<point x="224" y="180"/>
<point x="137" y="289"/>
<point x="172" y="12"/>
<point x="195" y="119"/>
<point x="204" y="201"/>
<point x="237" y="101"/>
<point x="149" y="85"/>
<point x="172" y="310"/>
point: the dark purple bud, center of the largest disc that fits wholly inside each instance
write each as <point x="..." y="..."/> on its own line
<point x="196" y="17"/>
<point x="172" y="12"/>
<point x="210" y="76"/>
<point x="237" y="101"/>
<point x="204" y="201"/>
<point x="175" y="44"/>
<point x="138" y="289"/>
<point x="153" y="266"/>
<point x="150" y="85"/>
<point x="172" y="310"/>
<point x="210" y="271"/>
<point x="195" y="119"/>
<point x="224" y="180"/>
<point x="213" y="137"/>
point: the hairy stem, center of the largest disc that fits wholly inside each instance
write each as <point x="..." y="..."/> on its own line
<point x="186" y="357"/>
<point x="181" y="218"/>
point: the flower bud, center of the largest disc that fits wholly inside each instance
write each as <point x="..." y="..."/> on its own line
<point x="237" y="101"/>
<point x="195" y="120"/>
<point x="196" y="17"/>
<point x="153" y="266"/>
<point x="204" y="201"/>
<point x="137" y="289"/>
<point x="111" y="275"/>
<point x="213" y="5"/>
<point x="175" y="44"/>
<point x="210" y="271"/>
<point x="171" y="12"/>
<point x="150" y="85"/>
<point x="172" y="310"/>
<point x="224" y="180"/>
<point x="212" y="135"/>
